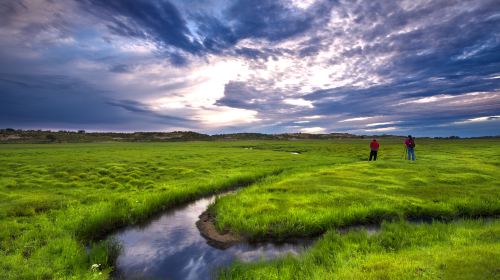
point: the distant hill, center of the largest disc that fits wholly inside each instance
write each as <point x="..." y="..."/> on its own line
<point x="46" y="136"/>
<point x="10" y="135"/>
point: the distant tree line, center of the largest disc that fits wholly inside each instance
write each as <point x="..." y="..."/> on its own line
<point x="10" y="135"/>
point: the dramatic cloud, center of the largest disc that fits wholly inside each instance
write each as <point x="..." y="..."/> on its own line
<point x="316" y="66"/>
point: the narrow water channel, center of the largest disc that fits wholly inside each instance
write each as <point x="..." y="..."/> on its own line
<point x="171" y="247"/>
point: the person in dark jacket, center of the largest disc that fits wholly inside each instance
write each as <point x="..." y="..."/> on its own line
<point x="374" y="145"/>
<point x="410" y="147"/>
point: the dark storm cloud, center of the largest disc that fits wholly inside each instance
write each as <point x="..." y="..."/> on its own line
<point x="138" y="107"/>
<point x="52" y="99"/>
<point x="120" y="68"/>
<point x="9" y="9"/>
<point x="100" y="62"/>
<point x="215" y="35"/>
<point x="240" y="95"/>
<point x="24" y="24"/>
<point x="160" y="21"/>
<point x="439" y="49"/>
<point x="445" y="47"/>
<point x="273" y="20"/>
<point x="47" y="99"/>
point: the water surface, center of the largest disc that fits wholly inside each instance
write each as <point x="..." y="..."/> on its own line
<point x="171" y="247"/>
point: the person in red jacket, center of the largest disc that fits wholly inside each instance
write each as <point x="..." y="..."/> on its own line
<point x="410" y="147"/>
<point x="374" y="145"/>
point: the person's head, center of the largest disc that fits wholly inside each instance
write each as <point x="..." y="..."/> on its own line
<point x="374" y="140"/>
<point x="409" y="136"/>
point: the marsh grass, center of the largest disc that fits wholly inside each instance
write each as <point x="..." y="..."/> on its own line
<point x="466" y="249"/>
<point x="306" y="202"/>
<point x="55" y="199"/>
<point x="450" y="181"/>
<point x="102" y="255"/>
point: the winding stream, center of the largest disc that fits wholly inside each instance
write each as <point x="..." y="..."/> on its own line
<point x="171" y="247"/>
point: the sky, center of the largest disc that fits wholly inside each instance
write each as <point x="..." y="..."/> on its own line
<point x="426" y="68"/>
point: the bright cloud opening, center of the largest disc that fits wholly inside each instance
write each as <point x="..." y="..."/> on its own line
<point x="223" y="116"/>
<point x="315" y="129"/>
<point x="382" y="129"/>
<point x="380" y="123"/>
<point x="357" y="119"/>
<point x="315" y="117"/>
<point x="298" y="102"/>
<point x="479" y="119"/>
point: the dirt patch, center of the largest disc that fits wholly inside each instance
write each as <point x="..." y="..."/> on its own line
<point x="206" y="225"/>
<point x="224" y="240"/>
<point x="10" y="137"/>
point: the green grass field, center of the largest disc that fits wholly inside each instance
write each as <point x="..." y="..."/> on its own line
<point x="56" y="199"/>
